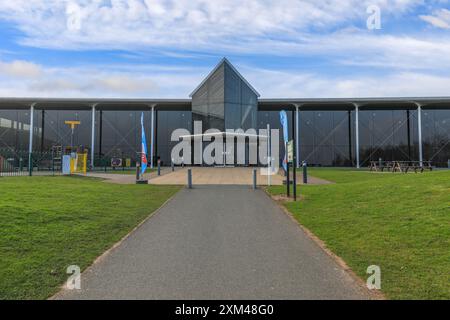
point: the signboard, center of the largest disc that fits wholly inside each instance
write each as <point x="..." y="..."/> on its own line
<point x="116" y="162"/>
<point x="290" y="151"/>
<point x="66" y="164"/>
<point x="128" y="162"/>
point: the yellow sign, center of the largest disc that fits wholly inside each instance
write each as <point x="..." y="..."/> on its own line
<point x="72" y="124"/>
<point x="78" y="163"/>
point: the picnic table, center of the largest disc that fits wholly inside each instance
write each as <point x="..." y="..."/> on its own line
<point x="400" y="166"/>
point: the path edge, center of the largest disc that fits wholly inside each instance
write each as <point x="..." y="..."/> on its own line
<point x="117" y="244"/>
<point x="372" y="294"/>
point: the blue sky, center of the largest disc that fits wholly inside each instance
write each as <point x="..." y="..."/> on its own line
<point x="163" y="49"/>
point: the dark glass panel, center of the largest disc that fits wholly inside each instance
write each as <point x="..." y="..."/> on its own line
<point x="15" y="132"/>
<point x="436" y="136"/>
<point x="324" y="138"/>
<point x="273" y="119"/>
<point x="57" y="133"/>
<point x="168" y="121"/>
<point x="384" y="135"/>
<point x="121" y="133"/>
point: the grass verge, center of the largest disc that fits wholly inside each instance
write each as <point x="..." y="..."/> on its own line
<point x="49" y="223"/>
<point x="400" y="222"/>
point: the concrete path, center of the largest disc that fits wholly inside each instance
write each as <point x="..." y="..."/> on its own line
<point x="203" y="176"/>
<point x="224" y="176"/>
<point x="126" y="178"/>
<point x="217" y="242"/>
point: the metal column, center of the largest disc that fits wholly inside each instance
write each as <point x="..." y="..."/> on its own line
<point x="93" y="137"/>
<point x="419" y="120"/>
<point x="358" y="165"/>
<point x="152" y="137"/>
<point x="297" y="134"/>
<point x="30" y="142"/>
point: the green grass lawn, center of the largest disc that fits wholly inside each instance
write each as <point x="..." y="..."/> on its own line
<point x="400" y="222"/>
<point x="49" y="223"/>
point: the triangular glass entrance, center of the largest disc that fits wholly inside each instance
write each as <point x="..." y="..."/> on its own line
<point x="225" y="100"/>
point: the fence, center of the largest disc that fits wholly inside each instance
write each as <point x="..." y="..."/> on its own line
<point x="9" y="168"/>
<point x="16" y="163"/>
<point x="111" y="164"/>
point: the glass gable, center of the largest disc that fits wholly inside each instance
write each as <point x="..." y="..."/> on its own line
<point x="225" y="100"/>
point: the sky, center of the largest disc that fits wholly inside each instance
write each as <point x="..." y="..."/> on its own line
<point x="284" y="48"/>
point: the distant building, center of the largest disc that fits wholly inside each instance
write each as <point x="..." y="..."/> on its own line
<point x="329" y="132"/>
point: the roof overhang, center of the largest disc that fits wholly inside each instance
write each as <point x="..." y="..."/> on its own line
<point x="331" y="104"/>
<point x="100" y="104"/>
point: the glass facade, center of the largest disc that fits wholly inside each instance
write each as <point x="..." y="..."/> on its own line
<point x="388" y="135"/>
<point x="167" y="122"/>
<point x="208" y="105"/>
<point x="272" y="118"/>
<point x="225" y="101"/>
<point x="55" y="132"/>
<point x="436" y="136"/>
<point x="388" y="130"/>
<point x="14" y="137"/>
<point x="326" y="138"/>
<point x="120" y="133"/>
<point x="15" y="131"/>
<point x="241" y="102"/>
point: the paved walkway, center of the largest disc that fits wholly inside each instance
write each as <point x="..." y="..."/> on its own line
<point x="217" y="242"/>
<point x="126" y="178"/>
<point x="204" y="176"/>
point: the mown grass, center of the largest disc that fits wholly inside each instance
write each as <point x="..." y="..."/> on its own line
<point x="49" y="223"/>
<point x="400" y="222"/>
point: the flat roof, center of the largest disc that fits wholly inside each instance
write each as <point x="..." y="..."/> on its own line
<point x="101" y="104"/>
<point x="263" y="104"/>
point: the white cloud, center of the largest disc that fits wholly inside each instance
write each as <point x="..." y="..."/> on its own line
<point x="20" y="69"/>
<point x="194" y="24"/>
<point x="410" y="64"/>
<point x="439" y="19"/>
<point x="294" y="85"/>
<point x="149" y="81"/>
<point x="113" y="81"/>
<point x="279" y="28"/>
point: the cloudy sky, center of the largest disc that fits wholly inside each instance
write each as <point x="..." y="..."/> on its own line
<point x="164" y="48"/>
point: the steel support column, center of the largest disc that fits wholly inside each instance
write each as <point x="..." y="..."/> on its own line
<point x="419" y="120"/>
<point x="93" y="137"/>
<point x="30" y="142"/>
<point x="297" y="135"/>
<point x="358" y="164"/>
<point x="152" y="139"/>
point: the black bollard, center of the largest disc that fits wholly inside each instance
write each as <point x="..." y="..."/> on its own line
<point x="254" y="179"/>
<point x="159" y="167"/>
<point x="138" y="173"/>
<point x="294" y="178"/>
<point x="305" y="172"/>
<point x="173" y="166"/>
<point x="189" y="178"/>
<point x="288" y="182"/>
